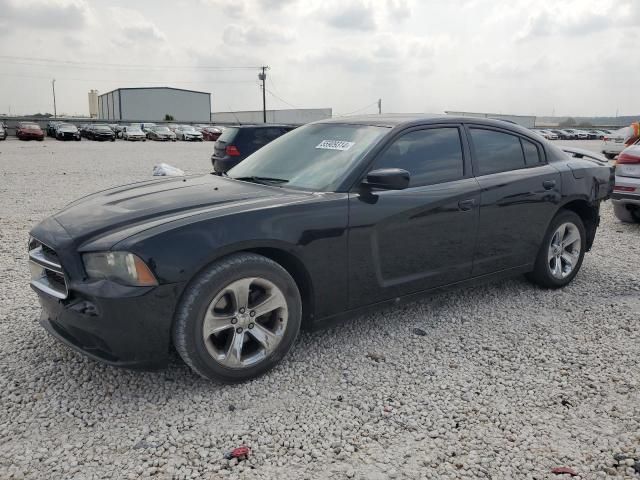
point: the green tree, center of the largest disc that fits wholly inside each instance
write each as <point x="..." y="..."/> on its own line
<point x="168" y="118"/>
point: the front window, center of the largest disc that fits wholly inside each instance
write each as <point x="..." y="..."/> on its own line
<point x="315" y="157"/>
<point x="30" y="126"/>
<point x="102" y="128"/>
<point x="162" y="129"/>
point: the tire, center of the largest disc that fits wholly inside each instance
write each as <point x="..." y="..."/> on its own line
<point x="545" y="272"/>
<point x="218" y="287"/>
<point x="624" y="214"/>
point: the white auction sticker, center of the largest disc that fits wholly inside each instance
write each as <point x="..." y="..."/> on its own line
<point x="335" y="145"/>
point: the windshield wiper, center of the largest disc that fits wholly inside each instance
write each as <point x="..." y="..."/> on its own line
<point x="262" y="180"/>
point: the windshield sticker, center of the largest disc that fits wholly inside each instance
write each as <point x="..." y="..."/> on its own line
<point x="335" y="145"/>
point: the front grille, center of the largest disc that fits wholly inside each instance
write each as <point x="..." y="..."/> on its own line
<point x="47" y="274"/>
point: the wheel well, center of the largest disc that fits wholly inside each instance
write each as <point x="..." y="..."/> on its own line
<point x="300" y="275"/>
<point x="589" y="213"/>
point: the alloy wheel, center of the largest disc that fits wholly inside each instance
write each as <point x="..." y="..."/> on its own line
<point x="245" y="322"/>
<point x="564" y="250"/>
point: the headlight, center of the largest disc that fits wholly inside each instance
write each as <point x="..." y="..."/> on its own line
<point x="121" y="267"/>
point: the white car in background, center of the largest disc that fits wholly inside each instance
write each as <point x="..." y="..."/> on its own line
<point x="188" y="133"/>
<point x="626" y="191"/>
<point x="548" y="134"/>
<point x="133" y="133"/>
<point x="615" y="142"/>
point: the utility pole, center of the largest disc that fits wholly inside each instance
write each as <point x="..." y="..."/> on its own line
<point x="263" y="77"/>
<point x="53" y="87"/>
<point x="379" y="106"/>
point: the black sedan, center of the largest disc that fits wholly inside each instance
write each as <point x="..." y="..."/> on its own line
<point x="101" y="133"/>
<point x="326" y="222"/>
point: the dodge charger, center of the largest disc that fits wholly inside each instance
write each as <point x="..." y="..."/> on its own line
<point x="329" y="221"/>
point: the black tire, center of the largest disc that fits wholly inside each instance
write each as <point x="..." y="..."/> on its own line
<point x="624" y="214"/>
<point x="541" y="274"/>
<point x="202" y="290"/>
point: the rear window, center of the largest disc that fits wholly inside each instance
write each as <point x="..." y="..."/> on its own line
<point x="228" y="134"/>
<point x="496" y="151"/>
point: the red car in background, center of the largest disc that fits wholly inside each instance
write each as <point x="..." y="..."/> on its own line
<point x="211" y="133"/>
<point x="29" y="131"/>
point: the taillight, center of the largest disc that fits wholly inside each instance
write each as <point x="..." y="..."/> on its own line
<point x="620" y="188"/>
<point x="627" y="158"/>
<point x="232" y="151"/>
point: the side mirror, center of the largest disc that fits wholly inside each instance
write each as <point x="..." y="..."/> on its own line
<point x="388" y="179"/>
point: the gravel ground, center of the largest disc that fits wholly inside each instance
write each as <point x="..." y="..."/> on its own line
<point x="501" y="381"/>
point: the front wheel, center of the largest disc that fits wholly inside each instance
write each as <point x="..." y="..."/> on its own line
<point x="561" y="253"/>
<point x="238" y="318"/>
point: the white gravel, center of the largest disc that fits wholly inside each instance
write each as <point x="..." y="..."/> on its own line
<point x="509" y="381"/>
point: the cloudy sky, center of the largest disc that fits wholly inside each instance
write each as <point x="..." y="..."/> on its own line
<point x="568" y="57"/>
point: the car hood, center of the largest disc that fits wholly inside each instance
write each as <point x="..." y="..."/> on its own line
<point x="123" y="211"/>
<point x="192" y="132"/>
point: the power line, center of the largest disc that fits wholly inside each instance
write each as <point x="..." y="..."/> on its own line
<point x="282" y="100"/>
<point x="48" y="62"/>
<point x="359" y="110"/>
<point x="93" y="80"/>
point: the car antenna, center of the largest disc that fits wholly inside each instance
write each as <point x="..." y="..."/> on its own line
<point x="234" y="114"/>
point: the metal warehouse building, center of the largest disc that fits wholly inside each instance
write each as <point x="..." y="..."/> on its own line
<point x="151" y="104"/>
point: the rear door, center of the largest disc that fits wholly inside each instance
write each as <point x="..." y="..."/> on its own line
<point x="405" y="241"/>
<point x="519" y="196"/>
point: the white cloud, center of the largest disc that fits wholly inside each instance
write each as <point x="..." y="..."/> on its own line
<point x="134" y="26"/>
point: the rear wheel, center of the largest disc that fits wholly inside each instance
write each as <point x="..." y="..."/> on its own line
<point x="561" y="253"/>
<point x="238" y="318"/>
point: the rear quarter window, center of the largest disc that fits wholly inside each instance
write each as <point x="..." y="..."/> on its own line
<point x="228" y="134"/>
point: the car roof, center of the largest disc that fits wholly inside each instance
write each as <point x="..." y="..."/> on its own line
<point x="258" y="125"/>
<point x="408" y="120"/>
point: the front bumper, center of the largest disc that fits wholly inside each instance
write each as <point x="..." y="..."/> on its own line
<point x="130" y="331"/>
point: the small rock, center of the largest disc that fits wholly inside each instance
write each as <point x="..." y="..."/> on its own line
<point x="420" y="332"/>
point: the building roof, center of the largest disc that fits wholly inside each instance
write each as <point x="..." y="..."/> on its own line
<point x="154" y="88"/>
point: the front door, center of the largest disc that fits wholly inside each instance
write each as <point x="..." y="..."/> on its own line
<point x="405" y="241"/>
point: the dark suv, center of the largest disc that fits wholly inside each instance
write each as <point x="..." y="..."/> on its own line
<point x="237" y="143"/>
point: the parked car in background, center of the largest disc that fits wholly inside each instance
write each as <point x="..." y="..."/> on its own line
<point x="3" y="132"/>
<point x="238" y="142"/>
<point x="67" y="131"/>
<point x="615" y="142"/>
<point x="626" y="192"/>
<point x="118" y="129"/>
<point x="51" y="128"/>
<point x="101" y="133"/>
<point x="147" y="126"/>
<point x="326" y="222"/>
<point x="188" y="133"/>
<point x="133" y="133"/>
<point x="211" y="133"/>
<point x="29" y="131"/>
<point x="564" y="135"/>
<point x="548" y="134"/>
<point x="84" y="130"/>
<point x="161" y="133"/>
<point x="172" y="126"/>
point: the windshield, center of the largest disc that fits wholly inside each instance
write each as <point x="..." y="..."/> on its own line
<point x="134" y="130"/>
<point x="30" y="126"/>
<point x="314" y="157"/>
<point x="102" y="128"/>
<point x="162" y="129"/>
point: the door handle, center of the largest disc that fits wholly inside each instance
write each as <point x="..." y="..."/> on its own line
<point x="549" y="184"/>
<point x="466" y="205"/>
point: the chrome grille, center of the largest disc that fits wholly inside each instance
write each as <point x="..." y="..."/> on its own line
<point x="47" y="274"/>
